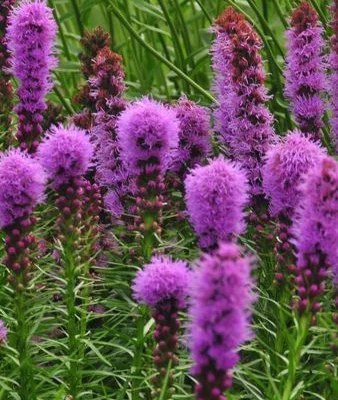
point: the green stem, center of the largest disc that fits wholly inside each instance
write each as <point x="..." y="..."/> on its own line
<point x="70" y="275"/>
<point x="295" y="354"/>
<point x="78" y="16"/>
<point x="26" y="383"/>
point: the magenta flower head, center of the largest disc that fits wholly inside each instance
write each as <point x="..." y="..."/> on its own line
<point x="148" y="136"/>
<point x="65" y="153"/>
<point x="221" y="299"/>
<point x="285" y="166"/>
<point x="3" y="332"/>
<point x="194" y="134"/>
<point x="22" y="183"/>
<point x="31" y="34"/>
<point x="162" y="279"/>
<point x="316" y="229"/>
<point x="305" y="70"/>
<point x="216" y="195"/>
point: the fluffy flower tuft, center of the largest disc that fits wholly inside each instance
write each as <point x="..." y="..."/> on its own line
<point x="162" y="279"/>
<point x="22" y="183"/>
<point x="216" y="195"/>
<point x="65" y="153"/>
<point x="286" y="164"/>
<point x="221" y="297"/>
<point x="148" y="135"/>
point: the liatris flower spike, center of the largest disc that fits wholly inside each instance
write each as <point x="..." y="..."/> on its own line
<point x="216" y="195"/>
<point x="3" y="332"/>
<point x="31" y="34"/>
<point x="305" y="70"/>
<point x="334" y="77"/>
<point x="163" y="286"/>
<point x="226" y="26"/>
<point x="22" y="183"/>
<point x="6" y="89"/>
<point x="148" y="139"/>
<point x="66" y="155"/>
<point x="221" y="298"/>
<point x="249" y="133"/>
<point x="286" y="164"/>
<point x="316" y="233"/>
<point x="285" y="167"/>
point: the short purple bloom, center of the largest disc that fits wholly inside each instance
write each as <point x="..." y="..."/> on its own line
<point x="3" y="331"/>
<point x="65" y="153"/>
<point x="194" y="134"/>
<point x="305" y="70"/>
<point x="285" y="166"/>
<point x="316" y="225"/>
<point x="22" y="183"/>
<point x="148" y="135"/>
<point x="31" y="34"/>
<point x="162" y="279"/>
<point x="216" y="195"/>
<point x="221" y="298"/>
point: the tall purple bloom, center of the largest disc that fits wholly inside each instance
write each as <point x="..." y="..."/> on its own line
<point x="221" y="298"/>
<point x="163" y="285"/>
<point x="3" y="332"/>
<point x="194" y="135"/>
<point x="22" y="183"/>
<point x="65" y="153"/>
<point x="31" y="34"/>
<point x="334" y="77"/>
<point x="216" y="195"/>
<point x="6" y="89"/>
<point x="247" y="119"/>
<point x="286" y="164"/>
<point x="316" y="232"/>
<point x="305" y="70"/>
<point x="226" y="26"/>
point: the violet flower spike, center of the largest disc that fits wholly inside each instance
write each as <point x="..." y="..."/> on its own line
<point x="220" y="312"/>
<point x="316" y="233"/>
<point x="333" y="59"/>
<point x="305" y="70"/>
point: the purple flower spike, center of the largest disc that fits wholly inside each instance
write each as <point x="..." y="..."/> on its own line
<point x="305" y="70"/>
<point x="3" y="332"/>
<point x="286" y="164"/>
<point x="221" y="50"/>
<point x="160" y="280"/>
<point x="334" y="77"/>
<point x="65" y="154"/>
<point x="148" y="136"/>
<point x="22" y="183"/>
<point x="31" y="34"/>
<point x="221" y="298"/>
<point x="216" y="195"/>
<point x="243" y="118"/>
<point x="194" y="135"/>
<point x="316" y="230"/>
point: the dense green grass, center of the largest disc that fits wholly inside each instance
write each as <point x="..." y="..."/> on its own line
<point x="165" y="45"/>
